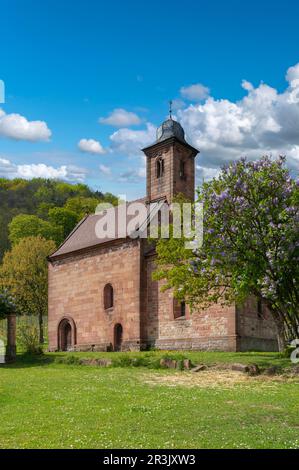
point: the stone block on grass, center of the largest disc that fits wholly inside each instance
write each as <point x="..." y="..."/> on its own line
<point x="240" y="368"/>
<point x="199" y="368"/>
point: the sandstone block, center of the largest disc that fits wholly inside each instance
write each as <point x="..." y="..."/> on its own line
<point x="199" y="368"/>
<point x="187" y="364"/>
<point x="240" y="367"/>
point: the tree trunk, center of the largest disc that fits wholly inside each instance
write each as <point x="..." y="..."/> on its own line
<point x="41" y="328"/>
<point x="281" y="337"/>
<point x="11" y="350"/>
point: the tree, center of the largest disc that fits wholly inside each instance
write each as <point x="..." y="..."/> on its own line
<point x="36" y="197"/>
<point x="24" y="273"/>
<point x="251" y="246"/>
<point x="110" y="198"/>
<point x="82" y="205"/>
<point x="8" y="310"/>
<point x="25" y="225"/>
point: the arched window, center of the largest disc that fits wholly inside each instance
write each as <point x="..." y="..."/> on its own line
<point x="182" y="170"/>
<point x="108" y="296"/>
<point x="260" y="308"/>
<point x="160" y="167"/>
<point x="179" y="308"/>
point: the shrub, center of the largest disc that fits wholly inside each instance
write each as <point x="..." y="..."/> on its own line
<point x="28" y="338"/>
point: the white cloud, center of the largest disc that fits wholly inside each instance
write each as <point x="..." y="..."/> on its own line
<point x="247" y="85"/>
<point x="17" y="127"/>
<point x="130" y="142"/>
<point x="106" y="170"/>
<point x="205" y="174"/>
<point x="91" y="146"/>
<point x="119" y="117"/>
<point x="132" y="175"/>
<point x="265" y="121"/>
<point x="40" y="170"/>
<point x="177" y="104"/>
<point x="141" y="172"/>
<point x="196" y="92"/>
<point x="292" y="75"/>
<point x="7" y="169"/>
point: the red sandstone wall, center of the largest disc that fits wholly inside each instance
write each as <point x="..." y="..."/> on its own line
<point x="157" y="187"/>
<point x="212" y="329"/>
<point x="187" y="185"/>
<point x="256" y="333"/>
<point x="170" y="183"/>
<point x="76" y="289"/>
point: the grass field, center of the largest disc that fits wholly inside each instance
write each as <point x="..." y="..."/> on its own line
<point x="45" y="404"/>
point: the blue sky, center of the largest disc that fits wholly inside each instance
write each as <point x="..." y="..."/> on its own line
<point x="106" y="70"/>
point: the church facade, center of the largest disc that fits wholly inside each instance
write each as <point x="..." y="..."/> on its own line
<point x="101" y="293"/>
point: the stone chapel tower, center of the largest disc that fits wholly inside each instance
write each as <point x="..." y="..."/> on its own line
<point x="170" y="166"/>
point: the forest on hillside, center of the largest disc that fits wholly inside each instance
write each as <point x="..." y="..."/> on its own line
<point x="49" y="208"/>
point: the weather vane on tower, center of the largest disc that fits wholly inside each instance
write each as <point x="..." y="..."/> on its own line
<point x="170" y="109"/>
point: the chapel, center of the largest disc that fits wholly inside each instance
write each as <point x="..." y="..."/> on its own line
<point x="102" y="296"/>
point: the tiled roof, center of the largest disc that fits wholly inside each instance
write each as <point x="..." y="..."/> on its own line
<point x="84" y="234"/>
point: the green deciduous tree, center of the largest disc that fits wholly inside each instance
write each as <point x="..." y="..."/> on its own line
<point x="36" y="197"/>
<point x="24" y="274"/>
<point x="63" y="218"/>
<point x="82" y="205"/>
<point x="25" y="225"/>
<point x="251" y="244"/>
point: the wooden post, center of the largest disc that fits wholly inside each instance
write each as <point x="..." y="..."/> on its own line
<point x="11" y="350"/>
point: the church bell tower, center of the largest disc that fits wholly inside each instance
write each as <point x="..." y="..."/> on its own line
<point x="170" y="166"/>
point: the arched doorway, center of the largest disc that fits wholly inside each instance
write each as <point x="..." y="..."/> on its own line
<point x="66" y="334"/>
<point x="118" y="337"/>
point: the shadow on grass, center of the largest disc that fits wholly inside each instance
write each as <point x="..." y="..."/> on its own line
<point x="29" y="360"/>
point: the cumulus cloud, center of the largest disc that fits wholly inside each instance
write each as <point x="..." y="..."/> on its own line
<point x="292" y="75"/>
<point x="132" y="175"/>
<point x="7" y="169"/>
<point x="178" y="104"/>
<point x="17" y="127"/>
<point x="265" y="121"/>
<point x="205" y="174"/>
<point x="247" y="85"/>
<point x="106" y="170"/>
<point x="130" y="142"/>
<point x="119" y="117"/>
<point x="195" y="92"/>
<point x="40" y="170"/>
<point x="91" y="146"/>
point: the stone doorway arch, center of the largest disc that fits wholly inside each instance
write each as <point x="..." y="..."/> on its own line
<point x="118" y="337"/>
<point x="66" y="334"/>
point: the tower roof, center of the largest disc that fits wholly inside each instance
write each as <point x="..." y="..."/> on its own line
<point x="170" y="128"/>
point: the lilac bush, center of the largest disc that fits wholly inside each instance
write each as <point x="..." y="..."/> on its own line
<point x="251" y="243"/>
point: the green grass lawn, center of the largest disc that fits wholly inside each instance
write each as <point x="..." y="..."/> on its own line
<point x="44" y="404"/>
